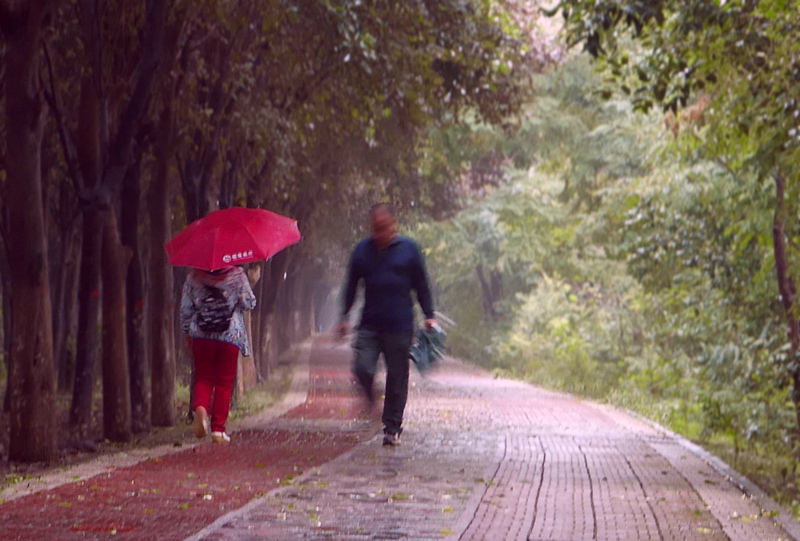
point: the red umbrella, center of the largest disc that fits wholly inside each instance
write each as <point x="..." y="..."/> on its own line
<point x="232" y="237"/>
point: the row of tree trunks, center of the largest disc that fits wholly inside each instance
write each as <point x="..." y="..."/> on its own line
<point x="106" y="158"/>
<point x="94" y="264"/>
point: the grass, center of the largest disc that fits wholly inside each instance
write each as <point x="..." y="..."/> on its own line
<point x="263" y="395"/>
<point x="775" y="473"/>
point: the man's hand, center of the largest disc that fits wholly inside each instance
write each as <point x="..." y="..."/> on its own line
<point x="341" y="330"/>
<point x="429" y="323"/>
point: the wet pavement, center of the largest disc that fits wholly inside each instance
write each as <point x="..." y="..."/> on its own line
<point x="481" y="458"/>
<point x="485" y="458"/>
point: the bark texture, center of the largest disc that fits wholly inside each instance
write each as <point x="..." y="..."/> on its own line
<point x="31" y="373"/>
<point x="80" y="415"/>
<point x="787" y="288"/>
<point x="162" y="303"/>
<point x="116" y="388"/>
<point x="138" y="358"/>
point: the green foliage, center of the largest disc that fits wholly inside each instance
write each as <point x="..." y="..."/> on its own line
<point x="635" y="269"/>
<point x="566" y="336"/>
<point x="652" y="283"/>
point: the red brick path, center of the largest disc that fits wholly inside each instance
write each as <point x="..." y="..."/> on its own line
<point x="172" y="496"/>
<point x="481" y="459"/>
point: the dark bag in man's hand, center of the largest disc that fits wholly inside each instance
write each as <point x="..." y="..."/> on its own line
<point x="428" y="349"/>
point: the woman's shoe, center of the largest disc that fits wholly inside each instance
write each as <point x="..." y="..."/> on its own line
<point x="202" y="426"/>
<point x="220" y="437"/>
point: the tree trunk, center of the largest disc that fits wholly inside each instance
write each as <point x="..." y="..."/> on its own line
<point x="80" y="415"/>
<point x="787" y="289"/>
<point x="66" y="363"/>
<point x="487" y="299"/>
<point x="255" y="323"/>
<point x="264" y="322"/>
<point x="136" y="325"/>
<point x="325" y="308"/>
<point x="63" y="296"/>
<point x="270" y="324"/>
<point x="248" y="374"/>
<point x="116" y="385"/>
<point x="57" y="254"/>
<point x="88" y="151"/>
<point x="8" y="334"/>
<point x="284" y="321"/>
<point x="31" y="374"/>
<point x="308" y="290"/>
<point x="162" y="303"/>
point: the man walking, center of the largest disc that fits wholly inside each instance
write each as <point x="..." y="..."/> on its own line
<point x="390" y="266"/>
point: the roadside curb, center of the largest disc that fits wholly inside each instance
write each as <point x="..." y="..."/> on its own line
<point x="749" y="489"/>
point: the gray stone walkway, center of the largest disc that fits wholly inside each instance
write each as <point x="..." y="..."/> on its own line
<point x="486" y="459"/>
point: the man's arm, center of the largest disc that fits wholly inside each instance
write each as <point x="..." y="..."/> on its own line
<point x="351" y="285"/>
<point x="349" y="296"/>
<point x="422" y="287"/>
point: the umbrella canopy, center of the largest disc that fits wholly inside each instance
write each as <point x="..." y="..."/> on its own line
<point x="232" y="236"/>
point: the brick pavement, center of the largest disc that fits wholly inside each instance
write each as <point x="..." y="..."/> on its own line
<point x="482" y="459"/>
<point x="486" y="459"/>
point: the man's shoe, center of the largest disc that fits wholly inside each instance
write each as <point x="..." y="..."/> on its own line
<point x="220" y="437"/>
<point x="202" y="426"/>
<point x="391" y="439"/>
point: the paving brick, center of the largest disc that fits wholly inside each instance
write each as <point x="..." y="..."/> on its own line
<point x="485" y="459"/>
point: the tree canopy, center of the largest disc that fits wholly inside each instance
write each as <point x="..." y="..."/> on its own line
<point x="154" y="113"/>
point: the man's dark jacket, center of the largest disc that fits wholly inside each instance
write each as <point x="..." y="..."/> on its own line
<point x="389" y="276"/>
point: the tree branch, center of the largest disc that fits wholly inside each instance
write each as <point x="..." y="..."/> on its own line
<point x="67" y="145"/>
<point x="153" y="39"/>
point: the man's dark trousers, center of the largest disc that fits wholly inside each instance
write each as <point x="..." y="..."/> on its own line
<point x="395" y="347"/>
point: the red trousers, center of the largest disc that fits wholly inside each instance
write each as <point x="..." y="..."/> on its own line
<point x="214" y="371"/>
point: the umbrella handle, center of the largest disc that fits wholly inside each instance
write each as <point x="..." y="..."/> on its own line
<point x="444" y="319"/>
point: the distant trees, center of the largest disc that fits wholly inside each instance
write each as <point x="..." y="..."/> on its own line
<point x="737" y="59"/>
<point x="128" y="120"/>
<point x="637" y="266"/>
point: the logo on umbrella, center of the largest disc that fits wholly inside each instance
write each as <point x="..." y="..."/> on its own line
<point x="227" y="258"/>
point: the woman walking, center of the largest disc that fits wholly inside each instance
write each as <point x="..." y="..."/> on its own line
<point x="212" y="319"/>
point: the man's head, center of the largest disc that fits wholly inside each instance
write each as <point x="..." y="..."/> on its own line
<point x="382" y="224"/>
